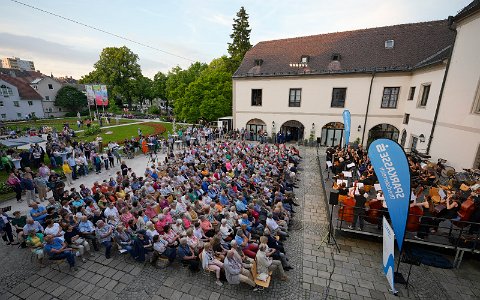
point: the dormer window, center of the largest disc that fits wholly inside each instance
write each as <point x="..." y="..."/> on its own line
<point x="258" y="62"/>
<point x="336" y="56"/>
<point x="305" y="59"/>
<point x="389" y="44"/>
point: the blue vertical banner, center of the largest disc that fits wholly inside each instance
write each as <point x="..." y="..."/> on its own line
<point x="346" y="124"/>
<point x="391" y="167"/>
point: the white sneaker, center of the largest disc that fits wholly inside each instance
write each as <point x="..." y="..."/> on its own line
<point x="219" y="283"/>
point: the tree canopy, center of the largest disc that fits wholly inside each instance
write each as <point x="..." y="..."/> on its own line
<point x="209" y="96"/>
<point x="118" y="68"/>
<point x="240" y="36"/>
<point x="71" y="98"/>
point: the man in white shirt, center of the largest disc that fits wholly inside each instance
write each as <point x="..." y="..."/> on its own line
<point x="274" y="227"/>
<point x="111" y="210"/>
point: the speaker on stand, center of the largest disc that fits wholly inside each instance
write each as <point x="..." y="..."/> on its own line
<point x="330" y="237"/>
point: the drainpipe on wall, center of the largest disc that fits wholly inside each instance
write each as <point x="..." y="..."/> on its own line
<point x="368" y="106"/>
<point x="440" y="96"/>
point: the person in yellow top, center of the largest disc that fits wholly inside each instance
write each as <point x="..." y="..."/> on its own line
<point x="68" y="172"/>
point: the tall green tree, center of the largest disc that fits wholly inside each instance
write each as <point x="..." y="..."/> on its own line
<point x="179" y="79"/>
<point x="159" y="88"/>
<point x="240" y="36"/>
<point x="142" y="89"/>
<point x="118" y="68"/>
<point x="209" y="96"/>
<point x="71" y="98"/>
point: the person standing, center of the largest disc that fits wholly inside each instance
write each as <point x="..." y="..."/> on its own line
<point x="73" y="165"/>
<point x="28" y="186"/>
<point x="359" y="210"/>
<point x="41" y="185"/>
<point x="68" y="172"/>
<point x="14" y="182"/>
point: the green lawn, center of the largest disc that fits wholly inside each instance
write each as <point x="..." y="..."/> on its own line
<point x="55" y="123"/>
<point x="120" y="133"/>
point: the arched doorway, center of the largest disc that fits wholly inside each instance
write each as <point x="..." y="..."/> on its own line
<point x="404" y="138"/>
<point x="384" y="130"/>
<point x="332" y="134"/>
<point x="292" y="130"/>
<point x="254" y="128"/>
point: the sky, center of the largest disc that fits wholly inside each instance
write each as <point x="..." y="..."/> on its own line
<point x="196" y="30"/>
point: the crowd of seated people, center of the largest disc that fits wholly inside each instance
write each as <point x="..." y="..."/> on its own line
<point x="222" y="206"/>
<point x="431" y="202"/>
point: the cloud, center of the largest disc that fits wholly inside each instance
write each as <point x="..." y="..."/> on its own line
<point x="36" y="47"/>
<point x="220" y="19"/>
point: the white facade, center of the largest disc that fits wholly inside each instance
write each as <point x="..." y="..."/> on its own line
<point x="48" y="88"/>
<point x="17" y="63"/>
<point x="12" y="107"/>
<point x="456" y="134"/>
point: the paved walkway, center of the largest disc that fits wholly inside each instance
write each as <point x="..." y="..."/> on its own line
<point x="319" y="272"/>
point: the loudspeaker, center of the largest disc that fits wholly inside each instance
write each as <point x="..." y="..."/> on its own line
<point x="319" y="140"/>
<point x="333" y="200"/>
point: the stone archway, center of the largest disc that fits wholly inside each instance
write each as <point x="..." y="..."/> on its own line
<point x="384" y="130"/>
<point x="332" y="134"/>
<point x="255" y="127"/>
<point x="292" y="130"/>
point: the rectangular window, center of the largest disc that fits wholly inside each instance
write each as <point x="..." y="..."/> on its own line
<point x="338" y="97"/>
<point x="411" y="94"/>
<point x="390" y="97"/>
<point x="50" y="86"/>
<point x="1" y="103"/>
<point x="16" y="103"/>
<point x="256" y="97"/>
<point x="295" y="98"/>
<point x="4" y="116"/>
<point x="425" y="93"/>
<point x="47" y="98"/>
<point x="19" y="115"/>
<point x="30" y="103"/>
<point x="406" y="118"/>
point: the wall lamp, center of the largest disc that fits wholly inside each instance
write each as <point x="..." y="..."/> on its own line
<point x="359" y="127"/>
<point x="421" y="138"/>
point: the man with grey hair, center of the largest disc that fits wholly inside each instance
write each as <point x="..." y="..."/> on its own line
<point x="187" y="256"/>
<point x="234" y="270"/>
<point x="32" y="225"/>
<point x="104" y="234"/>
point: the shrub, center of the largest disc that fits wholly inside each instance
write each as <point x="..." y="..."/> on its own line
<point x="154" y="110"/>
<point x="5" y="188"/>
<point x="93" y="130"/>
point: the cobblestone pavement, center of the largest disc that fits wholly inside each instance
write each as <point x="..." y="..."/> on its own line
<point x="319" y="272"/>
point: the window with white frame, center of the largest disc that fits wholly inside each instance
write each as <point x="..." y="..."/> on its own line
<point x="6" y="91"/>
<point x="424" y="93"/>
<point x="19" y="115"/>
<point x="295" y="98"/>
<point x="390" y="97"/>
<point x="4" y="116"/>
<point x="476" y="102"/>
<point x="338" y="97"/>
<point x="30" y="103"/>
<point x="50" y="86"/>
<point x="1" y="103"/>
<point x="47" y="98"/>
<point x="16" y="103"/>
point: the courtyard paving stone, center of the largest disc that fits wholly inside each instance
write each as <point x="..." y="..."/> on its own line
<point x="319" y="271"/>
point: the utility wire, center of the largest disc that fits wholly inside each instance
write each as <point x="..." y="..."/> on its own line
<point x="101" y="30"/>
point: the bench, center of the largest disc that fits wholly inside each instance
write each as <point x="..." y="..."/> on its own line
<point x="264" y="284"/>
